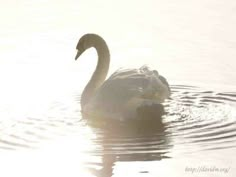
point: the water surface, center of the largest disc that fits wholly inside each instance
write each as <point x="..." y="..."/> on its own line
<point x="42" y="132"/>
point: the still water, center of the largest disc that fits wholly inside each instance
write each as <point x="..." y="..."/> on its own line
<point x="42" y="132"/>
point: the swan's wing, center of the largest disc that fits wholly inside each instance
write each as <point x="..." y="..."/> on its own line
<point x="125" y="84"/>
<point x="128" y="91"/>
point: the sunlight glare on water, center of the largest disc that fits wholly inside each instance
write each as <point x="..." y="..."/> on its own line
<point x="191" y="43"/>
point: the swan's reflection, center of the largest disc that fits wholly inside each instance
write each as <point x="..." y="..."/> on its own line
<point x="140" y="140"/>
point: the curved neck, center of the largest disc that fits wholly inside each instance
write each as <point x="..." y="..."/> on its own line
<point x="100" y="72"/>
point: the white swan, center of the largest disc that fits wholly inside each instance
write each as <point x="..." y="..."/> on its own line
<point x="126" y="90"/>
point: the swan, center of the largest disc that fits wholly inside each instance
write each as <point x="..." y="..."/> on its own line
<point x="125" y="92"/>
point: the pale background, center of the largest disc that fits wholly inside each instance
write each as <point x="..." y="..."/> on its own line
<point x="189" y="42"/>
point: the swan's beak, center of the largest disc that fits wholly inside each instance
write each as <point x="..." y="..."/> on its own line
<point x="78" y="54"/>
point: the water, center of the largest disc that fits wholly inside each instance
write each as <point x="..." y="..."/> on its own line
<point x="191" y="43"/>
<point x="199" y="126"/>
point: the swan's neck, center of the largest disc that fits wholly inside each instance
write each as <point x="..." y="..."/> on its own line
<point x="99" y="74"/>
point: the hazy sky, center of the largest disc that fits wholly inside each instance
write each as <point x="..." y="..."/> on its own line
<point x="181" y="37"/>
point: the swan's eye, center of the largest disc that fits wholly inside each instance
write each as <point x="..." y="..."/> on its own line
<point x="80" y="46"/>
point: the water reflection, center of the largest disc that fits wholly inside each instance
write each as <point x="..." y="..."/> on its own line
<point x="196" y="121"/>
<point x="129" y="141"/>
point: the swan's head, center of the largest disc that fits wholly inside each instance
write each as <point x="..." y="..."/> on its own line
<point x="87" y="41"/>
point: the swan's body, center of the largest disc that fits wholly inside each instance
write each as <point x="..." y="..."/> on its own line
<point x="125" y="91"/>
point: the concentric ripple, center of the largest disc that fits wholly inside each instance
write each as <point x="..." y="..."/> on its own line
<point x="195" y="120"/>
<point x="201" y="120"/>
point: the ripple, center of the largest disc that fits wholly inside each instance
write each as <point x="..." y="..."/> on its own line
<point x="196" y="120"/>
<point x="210" y="125"/>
